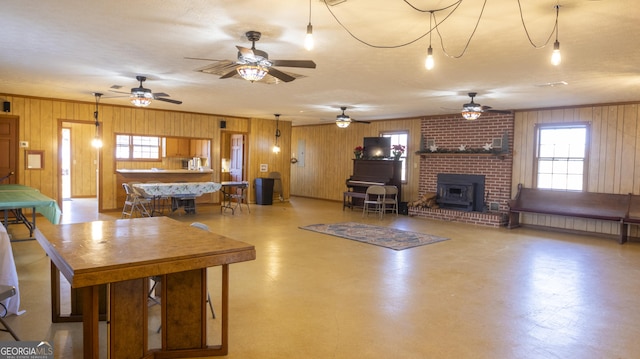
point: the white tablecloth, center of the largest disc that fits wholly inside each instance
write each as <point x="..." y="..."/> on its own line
<point x="177" y="189"/>
<point x="8" y="273"/>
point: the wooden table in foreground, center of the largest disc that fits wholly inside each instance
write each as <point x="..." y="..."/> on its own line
<point x="123" y="254"/>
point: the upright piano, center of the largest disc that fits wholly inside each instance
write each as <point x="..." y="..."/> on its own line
<point x="368" y="173"/>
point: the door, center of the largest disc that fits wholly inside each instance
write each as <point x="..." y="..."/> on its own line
<point x="8" y="149"/>
<point x="237" y="157"/>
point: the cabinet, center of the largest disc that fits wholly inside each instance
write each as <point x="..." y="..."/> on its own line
<point x="199" y="148"/>
<point x="178" y="147"/>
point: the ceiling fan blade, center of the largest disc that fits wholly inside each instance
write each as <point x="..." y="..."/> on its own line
<point x="168" y="100"/>
<point x="367" y="122"/>
<point x="280" y="75"/>
<point x="126" y="93"/>
<point x="247" y="54"/>
<point x="295" y="63"/>
<point x="160" y="94"/>
<point x="229" y="74"/>
<point x="201" y="58"/>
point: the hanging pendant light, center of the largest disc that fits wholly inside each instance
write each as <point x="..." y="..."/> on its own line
<point x="428" y="63"/>
<point x="556" y="57"/>
<point x="97" y="141"/>
<point x="276" y="147"/>
<point x="308" y="39"/>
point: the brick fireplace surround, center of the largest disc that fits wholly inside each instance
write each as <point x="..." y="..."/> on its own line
<point x="449" y="133"/>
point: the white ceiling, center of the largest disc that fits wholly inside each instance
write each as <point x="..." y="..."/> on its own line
<point x="69" y="49"/>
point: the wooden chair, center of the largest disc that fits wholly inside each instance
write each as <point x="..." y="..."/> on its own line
<point x="374" y="197"/>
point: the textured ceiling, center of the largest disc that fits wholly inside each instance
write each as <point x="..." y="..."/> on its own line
<point x="70" y="49"/>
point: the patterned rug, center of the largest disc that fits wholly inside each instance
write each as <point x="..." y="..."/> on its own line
<point x="380" y="236"/>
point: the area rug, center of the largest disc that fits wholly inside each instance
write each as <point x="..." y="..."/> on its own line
<point x="380" y="236"/>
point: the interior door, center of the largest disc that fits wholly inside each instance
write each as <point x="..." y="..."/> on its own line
<point x="8" y="148"/>
<point x="237" y="157"/>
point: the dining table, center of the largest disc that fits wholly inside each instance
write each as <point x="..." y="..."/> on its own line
<point x="123" y="254"/>
<point x="14" y="198"/>
<point x="182" y="194"/>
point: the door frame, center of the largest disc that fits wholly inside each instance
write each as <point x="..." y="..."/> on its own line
<point x="16" y="156"/>
<point x="245" y="153"/>
<point x="61" y="123"/>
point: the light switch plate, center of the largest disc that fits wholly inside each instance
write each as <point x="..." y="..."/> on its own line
<point x="24" y="144"/>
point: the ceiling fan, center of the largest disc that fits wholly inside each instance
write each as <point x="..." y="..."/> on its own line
<point x="471" y="111"/>
<point x="253" y="64"/>
<point x="343" y="121"/>
<point x="141" y="96"/>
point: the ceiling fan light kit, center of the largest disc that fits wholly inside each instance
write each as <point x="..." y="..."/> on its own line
<point x="252" y="73"/>
<point x="254" y="64"/>
<point x="140" y="97"/>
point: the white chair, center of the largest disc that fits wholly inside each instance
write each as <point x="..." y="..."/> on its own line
<point x="391" y="198"/>
<point x="374" y="200"/>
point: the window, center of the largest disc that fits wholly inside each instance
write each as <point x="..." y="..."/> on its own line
<point x="129" y="147"/>
<point x="561" y="152"/>
<point x="400" y="138"/>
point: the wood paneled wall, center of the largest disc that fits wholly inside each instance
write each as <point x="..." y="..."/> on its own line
<point x="329" y="154"/>
<point x="613" y="163"/>
<point x="40" y="119"/>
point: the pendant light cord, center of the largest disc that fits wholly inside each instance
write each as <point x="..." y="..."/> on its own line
<point x="526" y="31"/>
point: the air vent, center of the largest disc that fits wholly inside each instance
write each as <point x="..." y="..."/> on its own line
<point x="553" y="84"/>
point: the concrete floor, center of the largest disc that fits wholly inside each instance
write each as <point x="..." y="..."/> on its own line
<point x="486" y="293"/>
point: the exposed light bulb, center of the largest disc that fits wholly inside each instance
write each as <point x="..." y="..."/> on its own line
<point x="308" y="40"/>
<point x="556" y="58"/>
<point x="276" y="149"/>
<point x="428" y="64"/>
<point x="96" y="142"/>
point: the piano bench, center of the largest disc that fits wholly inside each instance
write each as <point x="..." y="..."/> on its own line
<point x="348" y="196"/>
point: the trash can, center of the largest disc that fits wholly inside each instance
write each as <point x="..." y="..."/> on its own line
<point x="264" y="190"/>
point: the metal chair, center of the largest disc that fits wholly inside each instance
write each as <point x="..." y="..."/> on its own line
<point x="134" y="203"/>
<point x="240" y="195"/>
<point x="374" y="197"/>
<point x="205" y="228"/>
<point x="277" y="184"/>
<point x="391" y="198"/>
<point x="7" y="291"/>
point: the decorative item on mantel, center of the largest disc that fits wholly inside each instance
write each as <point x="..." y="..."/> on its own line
<point x="397" y="150"/>
<point x="358" y="152"/>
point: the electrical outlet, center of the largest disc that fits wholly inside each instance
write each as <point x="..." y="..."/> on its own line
<point x="24" y="144"/>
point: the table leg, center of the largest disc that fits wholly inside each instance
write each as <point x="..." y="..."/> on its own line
<point x="128" y="319"/>
<point x="90" y="332"/>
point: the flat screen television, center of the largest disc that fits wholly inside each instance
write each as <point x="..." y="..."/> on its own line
<point x="377" y="147"/>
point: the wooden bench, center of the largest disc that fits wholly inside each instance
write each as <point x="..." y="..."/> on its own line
<point x="348" y="196"/>
<point x="591" y="205"/>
